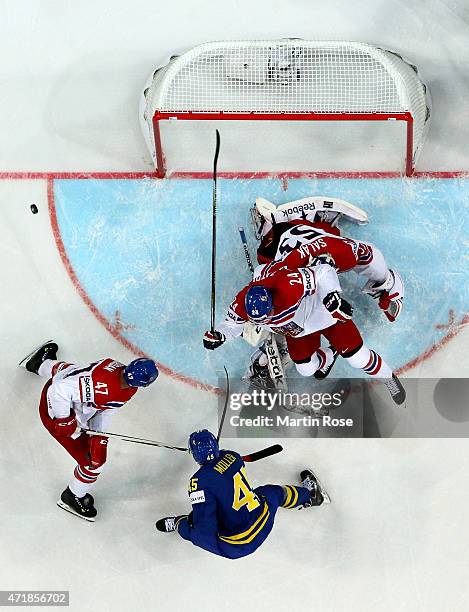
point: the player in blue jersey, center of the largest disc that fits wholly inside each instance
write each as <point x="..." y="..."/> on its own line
<point x="229" y="518"/>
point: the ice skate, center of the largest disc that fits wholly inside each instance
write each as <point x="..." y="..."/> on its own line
<point x="33" y="360"/>
<point x="169" y="523"/>
<point x="395" y="388"/>
<point x="319" y="495"/>
<point x="83" y="507"/>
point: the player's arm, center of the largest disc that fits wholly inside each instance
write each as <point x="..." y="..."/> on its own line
<point x="98" y="444"/>
<point x="232" y="325"/>
<point x="59" y="399"/>
<point x="201" y="526"/>
<point x="329" y="292"/>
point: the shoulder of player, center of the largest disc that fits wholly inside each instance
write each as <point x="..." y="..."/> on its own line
<point x="216" y="468"/>
<point x="107" y="366"/>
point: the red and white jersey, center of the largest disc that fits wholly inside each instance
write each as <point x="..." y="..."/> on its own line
<point x="93" y="391"/>
<point x="305" y="240"/>
<point x="297" y="295"/>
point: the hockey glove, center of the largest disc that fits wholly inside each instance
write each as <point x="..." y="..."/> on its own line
<point x="66" y="427"/>
<point x="213" y="340"/>
<point x="324" y="258"/>
<point x="338" y="307"/>
<point x="98" y="451"/>
<point x="391" y="305"/>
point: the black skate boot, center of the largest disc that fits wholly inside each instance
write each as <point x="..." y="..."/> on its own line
<point x="82" y="507"/>
<point x="319" y="495"/>
<point x="323" y="372"/>
<point x="259" y="376"/>
<point x="169" y="523"/>
<point x="396" y="389"/>
<point x="33" y="361"/>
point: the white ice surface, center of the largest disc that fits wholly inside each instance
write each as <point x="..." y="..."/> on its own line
<point x="395" y="537"/>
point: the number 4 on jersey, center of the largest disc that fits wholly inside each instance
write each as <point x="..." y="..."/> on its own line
<point x="243" y="493"/>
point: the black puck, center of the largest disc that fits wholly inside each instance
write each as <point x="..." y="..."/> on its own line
<point x="34" y="209"/>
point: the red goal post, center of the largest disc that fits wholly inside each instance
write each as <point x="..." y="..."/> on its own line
<point x="278" y="105"/>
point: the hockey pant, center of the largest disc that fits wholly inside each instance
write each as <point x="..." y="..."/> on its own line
<point x="84" y="476"/>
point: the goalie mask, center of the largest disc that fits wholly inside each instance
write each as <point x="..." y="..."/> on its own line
<point x="269" y="243"/>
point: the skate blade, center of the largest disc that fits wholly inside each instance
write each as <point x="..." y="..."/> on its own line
<point x="60" y="504"/>
<point x="324" y="493"/>
<point x="33" y="351"/>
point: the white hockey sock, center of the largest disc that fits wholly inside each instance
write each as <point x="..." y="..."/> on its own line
<point x="45" y="369"/>
<point x="321" y="358"/>
<point x="370" y="362"/>
<point x="83" y="480"/>
<point x="310" y="367"/>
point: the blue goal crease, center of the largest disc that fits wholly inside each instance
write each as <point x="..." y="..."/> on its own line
<point x="142" y="248"/>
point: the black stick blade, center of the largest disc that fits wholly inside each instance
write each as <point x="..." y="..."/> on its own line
<point x="262" y="454"/>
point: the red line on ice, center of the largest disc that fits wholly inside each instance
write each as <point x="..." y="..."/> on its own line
<point x="50" y="176"/>
<point x="114" y="330"/>
<point x="28" y="175"/>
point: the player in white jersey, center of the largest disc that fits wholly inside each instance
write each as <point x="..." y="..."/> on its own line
<point x="76" y="398"/>
<point x="303" y="304"/>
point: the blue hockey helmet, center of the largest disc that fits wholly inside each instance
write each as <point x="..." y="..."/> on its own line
<point x="258" y="303"/>
<point x="204" y="446"/>
<point x="140" y="372"/>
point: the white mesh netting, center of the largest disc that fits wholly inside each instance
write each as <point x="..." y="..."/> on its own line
<point x="289" y="76"/>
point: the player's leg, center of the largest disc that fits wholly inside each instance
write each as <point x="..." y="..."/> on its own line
<point x="77" y="494"/>
<point x="287" y="496"/>
<point x="207" y="541"/>
<point x="308" y="356"/>
<point x="383" y="284"/>
<point x="345" y="337"/>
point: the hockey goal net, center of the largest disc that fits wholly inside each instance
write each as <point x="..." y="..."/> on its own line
<point x="286" y="107"/>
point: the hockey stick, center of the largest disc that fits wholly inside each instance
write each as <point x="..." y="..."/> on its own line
<point x="274" y="361"/>
<point x="262" y="454"/>
<point x="223" y="415"/>
<point x="214" y="230"/>
<point x="93" y="432"/>
<point x="242" y="234"/>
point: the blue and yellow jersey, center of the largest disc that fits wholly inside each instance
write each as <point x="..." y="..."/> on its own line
<point x="225" y="507"/>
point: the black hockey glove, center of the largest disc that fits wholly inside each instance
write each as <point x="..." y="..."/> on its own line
<point x="338" y="307"/>
<point x="213" y="340"/>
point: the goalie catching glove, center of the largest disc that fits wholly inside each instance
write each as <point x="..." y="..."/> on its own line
<point x="339" y="308"/>
<point x="213" y="339"/>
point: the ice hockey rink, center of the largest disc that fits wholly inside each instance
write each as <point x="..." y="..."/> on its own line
<point x="111" y="263"/>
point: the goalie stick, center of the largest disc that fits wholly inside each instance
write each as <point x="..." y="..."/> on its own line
<point x="274" y="360"/>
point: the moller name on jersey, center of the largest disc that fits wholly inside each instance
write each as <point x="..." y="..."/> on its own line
<point x="224" y="463"/>
<point x="114" y="365"/>
<point x="86" y="389"/>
